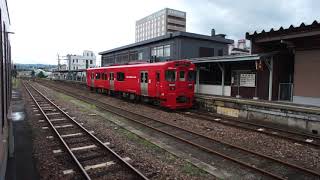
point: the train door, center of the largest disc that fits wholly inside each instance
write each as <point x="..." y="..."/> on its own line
<point x="111" y="81"/>
<point x="92" y="79"/>
<point x="144" y="83"/>
<point x="157" y="83"/>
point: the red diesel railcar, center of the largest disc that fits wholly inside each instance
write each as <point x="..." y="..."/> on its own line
<point x="170" y="84"/>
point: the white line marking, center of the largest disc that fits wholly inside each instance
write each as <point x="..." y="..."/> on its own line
<point x="62" y="119"/>
<point x="309" y="140"/>
<point x="71" y="135"/>
<point x="83" y="147"/>
<point x="127" y="159"/>
<point x="38" y="114"/>
<point x="48" y="114"/>
<point x="99" y="165"/>
<point x="64" y="126"/>
<point x="68" y="171"/>
<point x="260" y="129"/>
<point x="49" y="137"/>
<point x="41" y="120"/>
<point x="57" y="151"/>
<point x="45" y="127"/>
<point x="217" y="119"/>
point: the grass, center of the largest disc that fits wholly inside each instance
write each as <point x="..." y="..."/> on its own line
<point x="136" y="138"/>
<point x="76" y="102"/>
<point x="193" y="170"/>
<point x="15" y="83"/>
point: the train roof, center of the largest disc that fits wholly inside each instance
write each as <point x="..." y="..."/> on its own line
<point x="142" y="65"/>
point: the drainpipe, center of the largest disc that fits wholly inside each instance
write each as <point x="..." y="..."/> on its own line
<point x="270" y="67"/>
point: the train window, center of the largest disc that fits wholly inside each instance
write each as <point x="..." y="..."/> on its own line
<point x="141" y="77"/>
<point x="105" y="76"/>
<point x="97" y="75"/>
<point x="191" y="76"/>
<point x="120" y="76"/>
<point x="171" y="75"/>
<point x="158" y="76"/>
<point x="92" y="75"/>
<point x="146" y="77"/>
<point x="102" y="76"/>
<point x="182" y="76"/>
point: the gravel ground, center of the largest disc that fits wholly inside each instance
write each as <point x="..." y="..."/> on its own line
<point x="151" y="160"/>
<point x="49" y="165"/>
<point x="281" y="149"/>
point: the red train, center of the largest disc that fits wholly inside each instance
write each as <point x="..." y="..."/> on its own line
<point x="169" y="84"/>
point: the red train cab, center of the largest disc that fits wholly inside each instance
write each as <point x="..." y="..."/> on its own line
<point x="170" y="84"/>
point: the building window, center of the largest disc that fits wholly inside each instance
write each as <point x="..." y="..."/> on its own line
<point x="140" y="56"/>
<point x="120" y="76"/>
<point x="206" y="52"/>
<point x="77" y="60"/>
<point x="166" y="51"/>
<point x="220" y="52"/>
<point x="90" y="61"/>
<point x="161" y="51"/>
<point x="72" y="60"/>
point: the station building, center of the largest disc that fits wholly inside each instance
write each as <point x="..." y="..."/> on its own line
<point x="283" y="66"/>
<point x="297" y="61"/>
<point x="173" y="46"/>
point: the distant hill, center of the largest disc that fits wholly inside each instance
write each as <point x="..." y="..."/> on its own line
<point x="34" y="66"/>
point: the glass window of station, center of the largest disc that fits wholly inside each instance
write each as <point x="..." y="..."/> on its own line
<point x="161" y="51"/>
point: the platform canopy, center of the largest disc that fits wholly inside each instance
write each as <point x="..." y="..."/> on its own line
<point x="233" y="58"/>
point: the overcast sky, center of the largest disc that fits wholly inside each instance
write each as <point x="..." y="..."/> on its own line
<point x="44" y="28"/>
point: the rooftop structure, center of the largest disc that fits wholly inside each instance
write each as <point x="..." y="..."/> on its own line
<point x="160" y="23"/>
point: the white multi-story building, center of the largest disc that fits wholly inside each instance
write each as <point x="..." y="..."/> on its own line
<point x="84" y="61"/>
<point x="160" y="23"/>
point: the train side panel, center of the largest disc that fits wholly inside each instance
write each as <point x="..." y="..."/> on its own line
<point x="170" y="83"/>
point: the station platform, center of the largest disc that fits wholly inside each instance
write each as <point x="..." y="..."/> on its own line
<point x="20" y="165"/>
<point x="296" y="116"/>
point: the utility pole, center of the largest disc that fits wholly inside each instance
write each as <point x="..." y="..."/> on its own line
<point x="58" y="62"/>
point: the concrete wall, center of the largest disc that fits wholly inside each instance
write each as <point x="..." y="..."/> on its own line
<point x="213" y="89"/>
<point x="286" y="115"/>
<point x="306" y="77"/>
<point x="306" y="100"/>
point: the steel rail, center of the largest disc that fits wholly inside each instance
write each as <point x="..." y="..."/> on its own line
<point x="306" y="135"/>
<point x="90" y="100"/>
<point x="228" y="121"/>
<point x="87" y="132"/>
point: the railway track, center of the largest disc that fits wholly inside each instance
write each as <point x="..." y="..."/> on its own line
<point x="295" y="136"/>
<point x="260" y="163"/>
<point x="93" y="158"/>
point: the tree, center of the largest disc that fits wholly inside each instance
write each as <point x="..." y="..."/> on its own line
<point x="33" y="73"/>
<point x="41" y="75"/>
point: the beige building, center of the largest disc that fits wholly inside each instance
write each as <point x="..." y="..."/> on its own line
<point x="160" y="23"/>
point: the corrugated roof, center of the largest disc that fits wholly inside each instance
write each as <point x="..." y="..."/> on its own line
<point x="169" y="36"/>
<point x="291" y="29"/>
